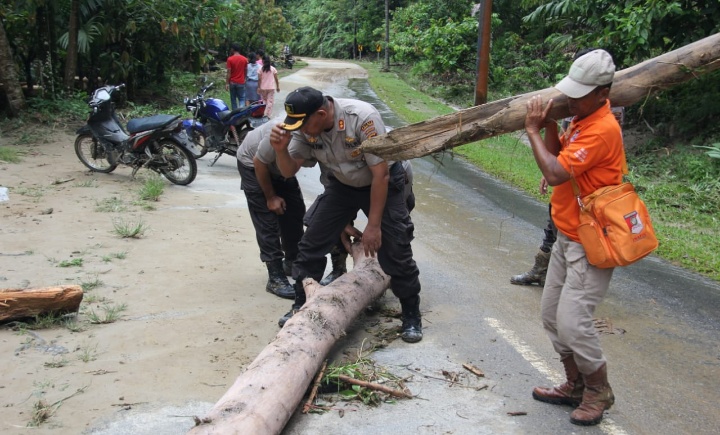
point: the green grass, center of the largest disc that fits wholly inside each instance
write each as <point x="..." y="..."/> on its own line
<point x="109" y="314"/>
<point x="75" y="262"/>
<point x="9" y="155"/>
<point x="406" y="102"/>
<point x="129" y="229"/>
<point x="152" y="188"/>
<point x="91" y="284"/>
<point x="680" y="184"/>
<point x="110" y="205"/>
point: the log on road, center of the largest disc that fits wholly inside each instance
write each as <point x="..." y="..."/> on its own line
<point x="23" y="303"/>
<point x="264" y="397"/>
<point x="630" y="86"/>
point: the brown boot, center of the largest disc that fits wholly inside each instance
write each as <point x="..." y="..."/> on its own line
<point x="536" y="275"/>
<point x="598" y="397"/>
<point x="569" y="393"/>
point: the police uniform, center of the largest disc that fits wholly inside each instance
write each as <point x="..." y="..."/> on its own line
<point x="348" y="190"/>
<point x="275" y="233"/>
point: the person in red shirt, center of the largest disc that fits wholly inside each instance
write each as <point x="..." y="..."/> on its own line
<point x="236" y="66"/>
<point x="591" y="152"/>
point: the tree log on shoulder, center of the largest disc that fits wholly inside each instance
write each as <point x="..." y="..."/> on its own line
<point x="23" y="303"/>
<point x="264" y="397"/>
<point x="630" y="86"/>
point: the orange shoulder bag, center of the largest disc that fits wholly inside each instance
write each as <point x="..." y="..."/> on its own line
<point x="615" y="227"/>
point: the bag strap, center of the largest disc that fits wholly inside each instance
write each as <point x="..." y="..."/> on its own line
<point x="576" y="188"/>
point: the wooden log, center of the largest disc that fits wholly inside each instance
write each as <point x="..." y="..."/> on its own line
<point x="264" y="397"/>
<point x="630" y="86"/>
<point x="23" y="303"/>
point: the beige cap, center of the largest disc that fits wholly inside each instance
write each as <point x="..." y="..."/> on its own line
<point x="586" y="73"/>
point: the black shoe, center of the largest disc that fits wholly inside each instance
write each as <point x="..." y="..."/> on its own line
<point x="411" y="329"/>
<point x="288" y="315"/>
<point x="280" y="289"/>
<point x="411" y="320"/>
<point x="278" y="283"/>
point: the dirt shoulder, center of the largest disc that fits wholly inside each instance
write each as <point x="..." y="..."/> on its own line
<point x="189" y="295"/>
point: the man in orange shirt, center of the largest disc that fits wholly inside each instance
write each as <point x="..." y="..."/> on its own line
<point x="590" y="151"/>
<point x="235" y="83"/>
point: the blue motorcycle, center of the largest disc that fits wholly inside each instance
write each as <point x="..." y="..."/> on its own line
<point x="216" y="128"/>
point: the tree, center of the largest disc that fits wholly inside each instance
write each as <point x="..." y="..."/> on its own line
<point x="9" y="76"/>
<point x="72" y="47"/>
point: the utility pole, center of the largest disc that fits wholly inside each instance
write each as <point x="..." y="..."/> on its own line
<point x="387" y="36"/>
<point x="355" y="44"/>
<point x="484" y="15"/>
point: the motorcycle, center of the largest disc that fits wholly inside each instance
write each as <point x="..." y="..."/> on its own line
<point x="214" y="127"/>
<point x="288" y="60"/>
<point x="103" y="143"/>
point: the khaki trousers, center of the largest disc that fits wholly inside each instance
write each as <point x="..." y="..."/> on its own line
<point x="573" y="289"/>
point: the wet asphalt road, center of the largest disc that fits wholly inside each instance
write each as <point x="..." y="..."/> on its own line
<point x="472" y="233"/>
<point x="660" y="332"/>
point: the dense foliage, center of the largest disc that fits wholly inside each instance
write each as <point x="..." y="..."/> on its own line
<point x="432" y="42"/>
<point x="136" y="41"/>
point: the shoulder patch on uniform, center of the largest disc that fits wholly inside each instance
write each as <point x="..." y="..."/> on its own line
<point x="368" y="128"/>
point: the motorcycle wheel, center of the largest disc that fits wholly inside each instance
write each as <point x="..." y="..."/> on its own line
<point x="177" y="164"/>
<point x="92" y="154"/>
<point x="200" y="142"/>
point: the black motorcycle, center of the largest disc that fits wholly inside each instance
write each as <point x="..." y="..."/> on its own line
<point x="102" y="144"/>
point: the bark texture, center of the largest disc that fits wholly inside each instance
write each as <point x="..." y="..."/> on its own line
<point x="9" y="76"/>
<point x="630" y="86"/>
<point x="264" y="397"/>
<point x="23" y="303"/>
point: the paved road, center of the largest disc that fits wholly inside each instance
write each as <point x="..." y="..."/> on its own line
<point x="472" y="234"/>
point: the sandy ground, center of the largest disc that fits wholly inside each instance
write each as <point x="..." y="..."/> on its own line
<point x="192" y="287"/>
<point x="189" y="295"/>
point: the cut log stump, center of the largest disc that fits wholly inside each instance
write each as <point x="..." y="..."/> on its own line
<point x="23" y="303"/>
<point x="265" y="396"/>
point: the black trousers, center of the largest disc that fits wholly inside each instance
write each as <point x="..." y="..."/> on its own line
<point x="550" y="233"/>
<point x="338" y="206"/>
<point x="277" y="235"/>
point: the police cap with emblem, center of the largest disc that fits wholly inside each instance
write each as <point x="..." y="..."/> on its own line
<point x="299" y="104"/>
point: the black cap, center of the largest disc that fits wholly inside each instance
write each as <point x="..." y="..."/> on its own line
<point x="299" y="104"/>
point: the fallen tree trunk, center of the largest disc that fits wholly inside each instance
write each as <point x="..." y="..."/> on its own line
<point x="504" y="116"/>
<point x="24" y="303"/>
<point x="264" y="397"/>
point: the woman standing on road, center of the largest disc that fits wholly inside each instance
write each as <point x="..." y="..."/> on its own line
<point x="253" y="68"/>
<point x="268" y="84"/>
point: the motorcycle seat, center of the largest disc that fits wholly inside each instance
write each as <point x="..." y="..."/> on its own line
<point x="227" y="114"/>
<point x="150" y="122"/>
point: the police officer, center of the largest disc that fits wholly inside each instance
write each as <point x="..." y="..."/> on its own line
<point x="276" y="207"/>
<point x="328" y="130"/>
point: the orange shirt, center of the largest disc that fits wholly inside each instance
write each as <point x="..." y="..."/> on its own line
<point x="592" y="151"/>
<point x="237" y="63"/>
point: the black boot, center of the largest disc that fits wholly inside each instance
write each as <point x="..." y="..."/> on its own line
<point x="536" y="275"/>
<point x="411" y="320"/>
<point x="339" y="268"/>
<point x="278" y="283"/>
<point x="299" y="302"/>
